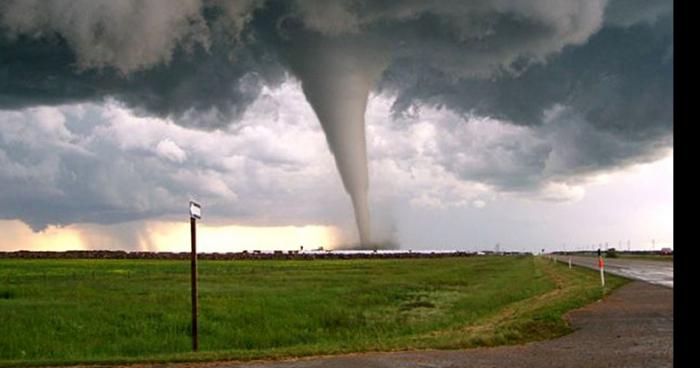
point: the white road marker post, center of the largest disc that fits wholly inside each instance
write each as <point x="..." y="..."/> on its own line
<point x="569" y="262"/>
<point x="601" y="265"/>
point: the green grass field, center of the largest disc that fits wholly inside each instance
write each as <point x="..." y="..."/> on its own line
<point x="120" y="311"/>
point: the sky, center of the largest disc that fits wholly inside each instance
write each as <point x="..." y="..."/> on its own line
<point x="445" y="125"/>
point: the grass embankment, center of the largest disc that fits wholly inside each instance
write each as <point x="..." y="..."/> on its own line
<point x="120" y="311"/>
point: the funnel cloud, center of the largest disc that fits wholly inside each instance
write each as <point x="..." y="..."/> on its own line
<point x="336" y="81"/>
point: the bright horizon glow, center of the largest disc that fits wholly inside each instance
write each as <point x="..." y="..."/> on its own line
<point x="18" y="236"/>
<point x="166" y="236"/>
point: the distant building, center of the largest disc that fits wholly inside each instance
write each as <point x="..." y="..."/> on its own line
<point x="666" y="251"/>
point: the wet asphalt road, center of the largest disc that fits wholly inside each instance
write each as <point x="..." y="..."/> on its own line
<point x="654" y="272"/>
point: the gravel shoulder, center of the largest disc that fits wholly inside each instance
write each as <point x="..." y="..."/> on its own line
<point x="633" y="327"/>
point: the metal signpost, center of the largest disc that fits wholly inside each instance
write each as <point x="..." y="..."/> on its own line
<point x="195" y="213"/>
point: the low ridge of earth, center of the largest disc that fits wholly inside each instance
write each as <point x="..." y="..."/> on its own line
<point x="633" y="327"/>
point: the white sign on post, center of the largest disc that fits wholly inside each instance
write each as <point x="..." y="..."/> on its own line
<point x="195" y="210"/>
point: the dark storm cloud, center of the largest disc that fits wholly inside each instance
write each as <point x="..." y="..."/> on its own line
<point x="210" y="60"/>
<point x="200" y="88"/>
<point x="591" y="79"/>
<point x="509" y="61"/>
<point x="616" y="93"/>
<point x="621" y="80"/>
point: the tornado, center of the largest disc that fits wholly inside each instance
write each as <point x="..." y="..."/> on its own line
<point x="336" y="77"/>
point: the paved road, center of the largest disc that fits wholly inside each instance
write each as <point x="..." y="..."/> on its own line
<point x="655" y="272"/>
<point x="633" y="327"/>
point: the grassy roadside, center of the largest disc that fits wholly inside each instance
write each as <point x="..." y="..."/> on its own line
<point x="82" y="311"/>
<point x="536" y="318"/>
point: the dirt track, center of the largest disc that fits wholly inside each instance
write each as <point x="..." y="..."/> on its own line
<point x="633" y="327"/>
